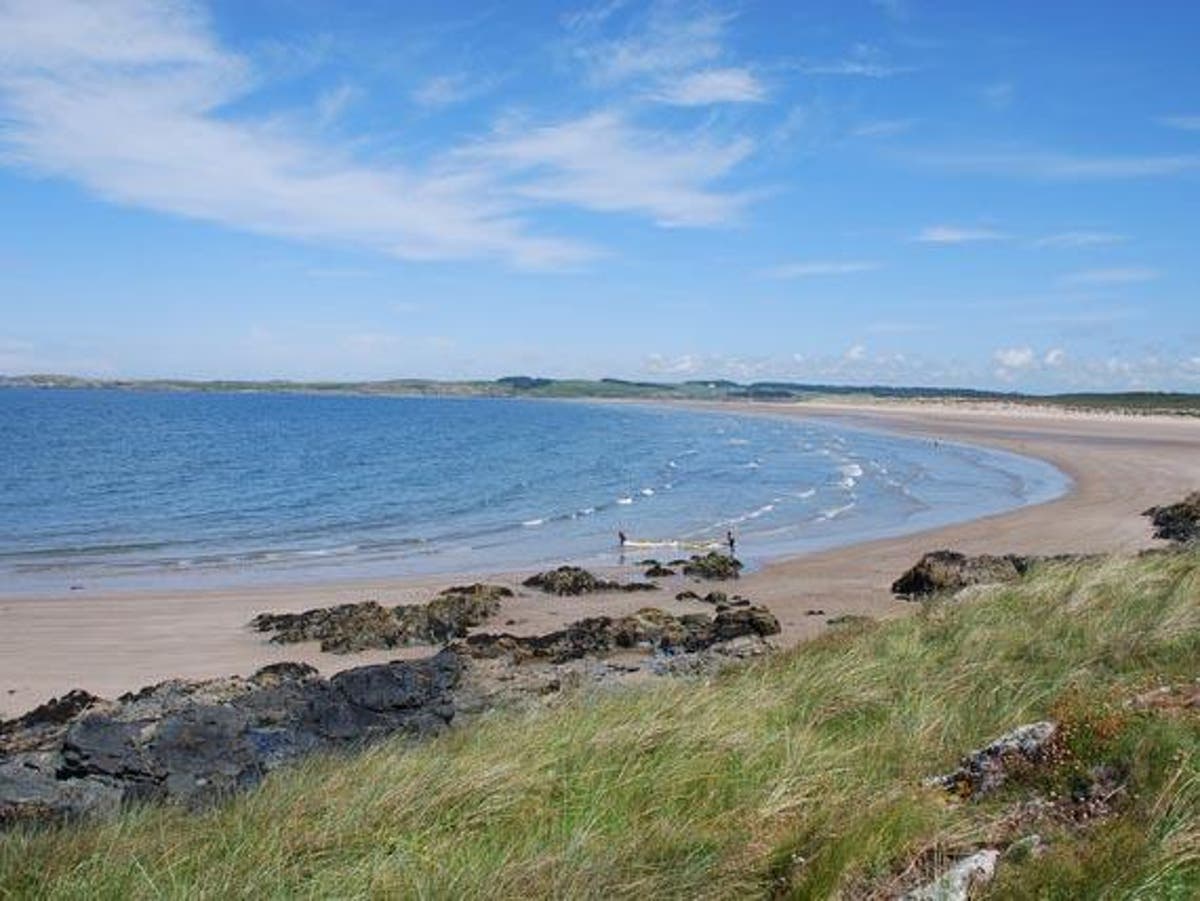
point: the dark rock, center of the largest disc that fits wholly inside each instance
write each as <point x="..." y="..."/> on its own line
<point x="572" y="580"/>
<point x="44" y="723"/>
<point x="713" y="565"/>
<point x="946" y="571"/>
<point x="1178" y="522"/>
<point x="196" y="742"/>
<point x="569" y="580"/>
<point x="715" y="597"/>
<point x="347" y="628"/>
<point x="849" y="619"/>
<point x="659" y="572"/>
<point x="677" y="562"/>
<point x="817" y="612"/>
<point x="687" y="596"/>
<point x="649" y="628"/>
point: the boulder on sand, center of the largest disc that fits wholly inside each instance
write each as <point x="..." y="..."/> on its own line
<point x="348" y="628"/>
<point x="947" y="571"/>
<point x="1179" y="522"/>
<point x="573" y="580"/>
<point x="712" y="565"/>
<point x="649" y="628"/>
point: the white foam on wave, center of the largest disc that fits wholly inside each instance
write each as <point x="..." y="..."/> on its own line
<point x="739" y="441"/>
<point x="624" y="501"/>
<point x="806" y="493"/>
<point x="833" y="512"/>
<point x="851" y="470"/>
<point x="647" y="492"/>
<point x="672" y="464"/>
<point x="530" y="523"/>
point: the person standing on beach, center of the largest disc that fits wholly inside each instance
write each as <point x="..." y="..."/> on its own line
<point x="729" y="539"/>
<point x="621" y="538"/>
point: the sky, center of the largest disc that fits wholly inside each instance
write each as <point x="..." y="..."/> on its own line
<point x="906" y="192"/>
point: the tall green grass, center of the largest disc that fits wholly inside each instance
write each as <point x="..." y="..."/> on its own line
<point x="797" y="776"/>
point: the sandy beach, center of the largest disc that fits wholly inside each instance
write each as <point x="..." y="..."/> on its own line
<point x="111" y="643"/>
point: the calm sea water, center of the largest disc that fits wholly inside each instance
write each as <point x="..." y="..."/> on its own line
<point x="106" y="489"/>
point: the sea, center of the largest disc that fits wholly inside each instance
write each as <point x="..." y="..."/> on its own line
<point x="121" y="489"/>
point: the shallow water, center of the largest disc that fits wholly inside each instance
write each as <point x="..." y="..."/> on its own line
<point x="109" y="489"/>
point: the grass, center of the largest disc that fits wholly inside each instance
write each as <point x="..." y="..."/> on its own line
<point x="799" y="776"/>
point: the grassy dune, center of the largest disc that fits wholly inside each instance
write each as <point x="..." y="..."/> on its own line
<point x="799" y="776"/>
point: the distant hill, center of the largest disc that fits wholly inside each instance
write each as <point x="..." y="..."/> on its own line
<point x="1177" y="403"/>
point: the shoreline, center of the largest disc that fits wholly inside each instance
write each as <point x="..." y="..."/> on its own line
<point x="1118" y="466"/>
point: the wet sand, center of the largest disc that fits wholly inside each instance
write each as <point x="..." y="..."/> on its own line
<point x="111" y="643"/>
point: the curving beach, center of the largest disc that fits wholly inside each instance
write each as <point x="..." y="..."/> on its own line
<point x="109" y="643"/>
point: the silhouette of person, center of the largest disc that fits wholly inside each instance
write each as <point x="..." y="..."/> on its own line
<point x="621" y="537"/>
<point x="729" y="539"/>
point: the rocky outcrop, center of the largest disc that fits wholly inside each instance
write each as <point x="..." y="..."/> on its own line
<point x="658" y="571"/>
<point x="984" y="770"/>
<point x="648" y="629"/>
<point x="1178" y="522"/>
<point x="960" y="880"/>
<point x="712" y="565"/>
<point x="195" y="742"/>
<point x="348" y="628"/>
<point x="945" y="572"/>
<point x="572" y="580"/>
<point x="948" y="571"/>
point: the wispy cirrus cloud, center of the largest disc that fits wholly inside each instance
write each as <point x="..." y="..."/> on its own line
<point x="1054" y="166"/>
<point x="1118" y="275"/>
<point x="662" y="41"/>
<point x="862" y="61"/>
<point x="128" y="98"/>
<point x="1079" y="239"/>
<point x="604" y="163"/>
<point x="957" y="234"/>
<point x="818" y="268"/>
<point x="732" y="85"/>
<point x="447" y="90"/>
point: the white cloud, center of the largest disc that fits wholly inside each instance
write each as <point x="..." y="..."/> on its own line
<point x="602" y="162"/>
<point x="332" y="103"/>
<point x="125" y="98"/>
<point x="663" y="42"/>
<point x="1079" y="239"/>
<point x="1183" y="123"/>
<point x="445" y="90"/>
<point x="1015" y="357"/>
<point x="128" y="98"/>
<point x="1051" y="166"/>
<point x="953" y="234"/>
<point x="855" y="353"/>
<point x="820" y="267"/>
<point x="1114" y="276"/>
<point x="1054" y="357"/>
<point x="863" y="61"/>
<point x="712" y="86"/>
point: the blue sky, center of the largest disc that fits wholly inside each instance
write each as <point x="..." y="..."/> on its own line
<point x="898" y="191"/>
